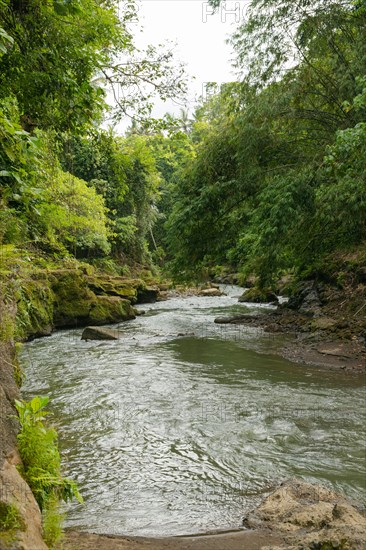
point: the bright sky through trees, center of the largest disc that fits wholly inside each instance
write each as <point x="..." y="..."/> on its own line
<point x="200" y="38"/>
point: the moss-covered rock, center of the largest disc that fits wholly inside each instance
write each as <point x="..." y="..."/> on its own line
<point x="110" y="309"/>
<point x="73" y="298"/>
<point x="258" y="296"/>
<point x="114" y="286"/>
<point x="35" y="300"/>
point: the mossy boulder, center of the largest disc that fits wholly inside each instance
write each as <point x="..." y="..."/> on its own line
<point x="77" y="305"/>
<point x="259" y="296"/>
<point x="73" y="298"/>
<point x="134" y="290"/>
<point x="114" y="286"/>
<point x="110" y="309"/>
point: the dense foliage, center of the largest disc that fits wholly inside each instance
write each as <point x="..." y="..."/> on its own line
<point x="279" y="180"/>
<point x="66" y="187"/>
<point x="268" y="176"/>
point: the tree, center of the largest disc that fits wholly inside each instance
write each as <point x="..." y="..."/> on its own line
<point x="64" y="55"/>
<point x="276" y="154"/>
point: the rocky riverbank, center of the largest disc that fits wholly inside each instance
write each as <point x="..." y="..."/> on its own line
<point x="328" y="326"/>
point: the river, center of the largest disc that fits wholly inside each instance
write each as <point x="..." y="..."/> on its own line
<point x="182" y="426"/>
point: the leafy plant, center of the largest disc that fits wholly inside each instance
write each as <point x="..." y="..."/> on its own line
<point x="41" y="462"/>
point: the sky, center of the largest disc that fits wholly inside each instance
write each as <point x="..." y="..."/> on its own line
<point x="200" y="37"/>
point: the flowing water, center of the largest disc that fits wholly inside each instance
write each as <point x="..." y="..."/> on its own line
<point x="182" y="426"/>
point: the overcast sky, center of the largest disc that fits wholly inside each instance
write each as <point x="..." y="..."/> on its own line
<point x="200" y="37"/>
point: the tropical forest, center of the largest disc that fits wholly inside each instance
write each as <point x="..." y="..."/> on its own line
<point x="182" y="282"/>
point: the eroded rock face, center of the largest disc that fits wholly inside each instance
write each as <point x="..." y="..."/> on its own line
<point x="312" y="517"/>
<point x="14" y="491"/>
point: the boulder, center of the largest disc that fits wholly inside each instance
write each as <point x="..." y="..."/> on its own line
<point x="306" y="300"/>
<point x="210" y="292"/>
<point x="110" y="309"/>
<point x="258" y="296"/>
<point x="99" y="333"/>
<point x="310" y="516"/>
<point x="76" y="305"/>
<point x="233" y="320"/>
<point x="147" y="295"/>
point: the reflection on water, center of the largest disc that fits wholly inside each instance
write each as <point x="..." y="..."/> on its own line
<point x="170" y="434"/>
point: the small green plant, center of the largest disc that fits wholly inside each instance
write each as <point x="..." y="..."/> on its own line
<point x="42" y="465"/>
<point x="10" y="518"/>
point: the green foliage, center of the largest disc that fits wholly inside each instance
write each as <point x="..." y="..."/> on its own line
<point x="52" y="519"/>
<point x="57" y="61"/>
<point x="11" y="522"/>
<point x="123" y="171"/>
<point x="58" y="58"/>
<point x="278" y="180"/>
<point x="74" y="215"/>
<point x="41" y="464"/>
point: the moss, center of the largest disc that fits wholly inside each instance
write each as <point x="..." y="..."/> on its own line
<point x="34" y="307"/>
<point x="256" y="295"/>
<point x="73" y="298"/>
<point x="110" y="309"/>
<point x="10" y="519"/>
<point x="113" y="286"/>
<point x="7" y="327"/>
<point x="19" y="375"/>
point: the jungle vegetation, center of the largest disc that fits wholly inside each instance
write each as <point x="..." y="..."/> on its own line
<point x="267" y="176"/>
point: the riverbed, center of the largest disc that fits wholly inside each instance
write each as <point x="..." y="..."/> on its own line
<point x="182" y="426"/>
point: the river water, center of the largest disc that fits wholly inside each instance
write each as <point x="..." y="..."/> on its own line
<point x="182" y="426"/>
